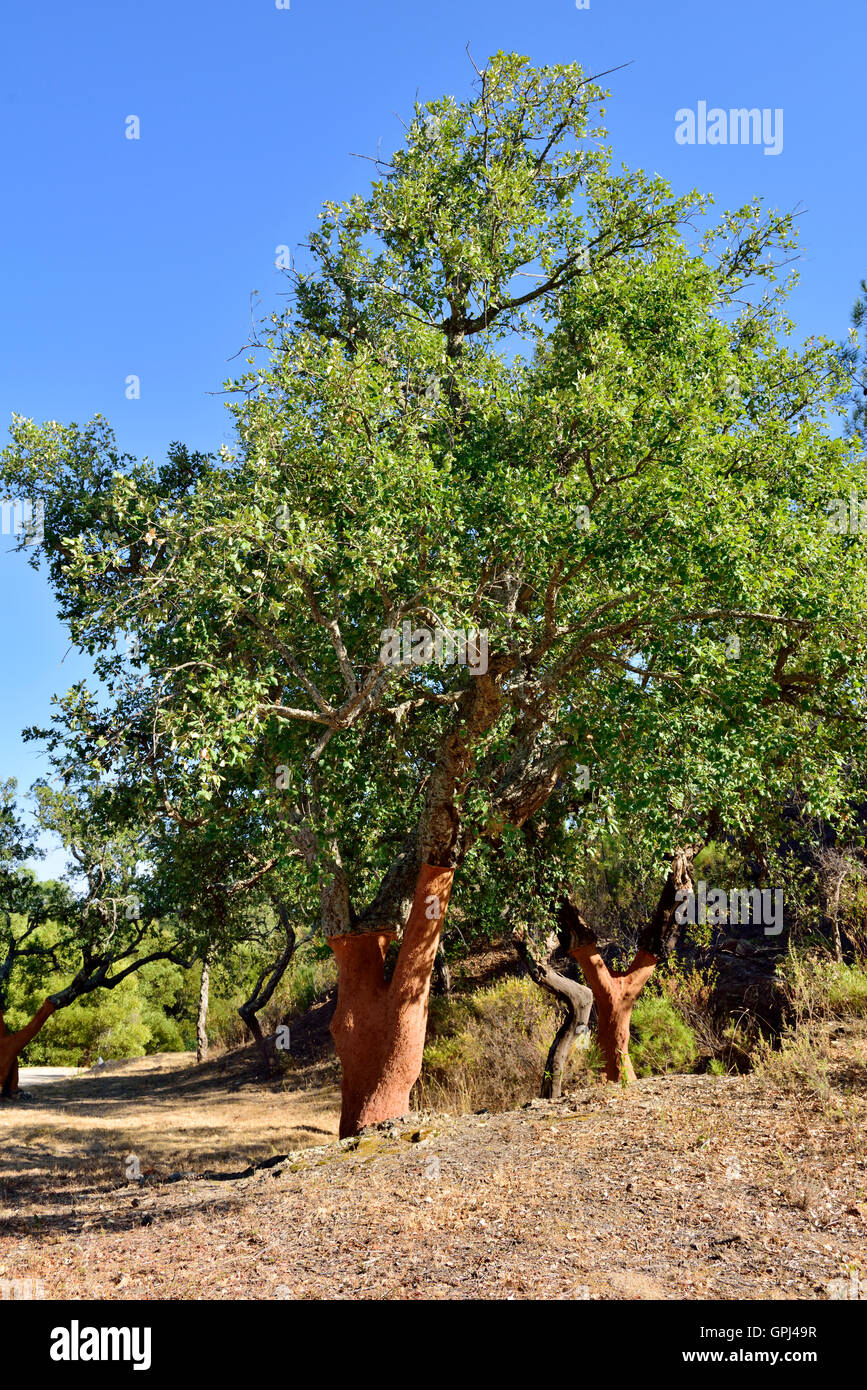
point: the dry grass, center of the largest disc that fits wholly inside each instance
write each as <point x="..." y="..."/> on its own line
<point x="823" y="995"/>
<point x="682" y="1187"/>
<point x="170" y="1114"/>
<point x="487" y="1050"/>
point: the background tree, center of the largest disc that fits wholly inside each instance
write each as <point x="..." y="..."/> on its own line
<point x="109" y="923"/>
<point x="854" y="354"/>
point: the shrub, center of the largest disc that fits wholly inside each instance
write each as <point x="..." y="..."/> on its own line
<point x="107" y="1024"/>
<point x="488" y="1050"/>
<point x="662" y="1040"/>
<point x="799" y="1066"/>
<point x="821" y="988"/>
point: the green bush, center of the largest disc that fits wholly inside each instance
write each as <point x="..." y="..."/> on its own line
<point x="487" y="1050"/>
<point x="107" y="1024"/>
<point x="662" y="1040"/>
<point x="831" y="988"/>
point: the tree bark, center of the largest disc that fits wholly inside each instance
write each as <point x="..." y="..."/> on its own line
<point x="577" y="1001"/>
<point x="443" y="974"/>
<point x="252" y="1022"/>
<point x="378" y="1027"/>
<point x="561" y="1048"/>
<point x="615" y="991"/>
<point x="202" y="1019"/>
<point x="267" y="983"/>
<point x="13" y="1044"/>
<point x="9" y="1083"/>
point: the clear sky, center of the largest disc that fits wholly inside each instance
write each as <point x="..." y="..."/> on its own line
<point x="125" y="257"/>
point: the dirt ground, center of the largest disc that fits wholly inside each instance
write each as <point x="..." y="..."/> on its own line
<point x="683" y="1187"/>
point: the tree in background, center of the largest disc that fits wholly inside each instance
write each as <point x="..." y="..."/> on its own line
<point x="854" y="355"/>
<point x="25" y="906"/>
<point x="102" y="931"/>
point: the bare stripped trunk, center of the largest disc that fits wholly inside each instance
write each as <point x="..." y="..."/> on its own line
<point x="9" y="1083"/>
<point x="615" y="991"/>
<point x="13" y="1044"/>
<point x="615" y="994"/>
<point x="202" y="1020"/>
<point x="378" y="1027"/>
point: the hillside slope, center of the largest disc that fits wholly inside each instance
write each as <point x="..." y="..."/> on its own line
<point x="696" y="1187"/>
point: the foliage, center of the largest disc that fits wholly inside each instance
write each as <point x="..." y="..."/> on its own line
<point x="662" y="1040"/>
<point x="421" y="441"/>
<point x="487" y="1049"/>
<point x="819" y="988"/>
<point x="520" y="388"/>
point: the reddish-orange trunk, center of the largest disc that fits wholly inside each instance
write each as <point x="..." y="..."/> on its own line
<point x="615" y="994"/>
<point x="12" y="1044"/>
<point x="378" y="1028"/>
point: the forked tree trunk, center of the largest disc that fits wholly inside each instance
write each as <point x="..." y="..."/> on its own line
<point x="615" y="991"/>
<point x="13" y="1044"/>
<point x="202" y="1019"/>
<point x="378" y="1027"/>
<point x="615" y="994"/>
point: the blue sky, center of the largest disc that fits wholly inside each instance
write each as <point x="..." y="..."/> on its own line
<point x="139" y="257"/>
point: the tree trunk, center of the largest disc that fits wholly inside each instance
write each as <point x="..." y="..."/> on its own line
<point x="577" y="1001"/>
<point x="443" y="974"/>
<point x="378" y="1027"/>
<point x="9" y="1083"/>
<point x="561" y="1050"/>
<point x="13" y="1044"/>
<point x="202" y="1020"/>
<point x="268" y="981"/>
<point x="615" y="995"/>
<point x="252" y="1022"/>
<point x="615" y="992"/>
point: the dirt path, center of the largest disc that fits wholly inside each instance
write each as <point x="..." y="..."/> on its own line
<point x="681" y="1187"/>
<point x="166" y="1113"/>
<point x="29" y="1077"/>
